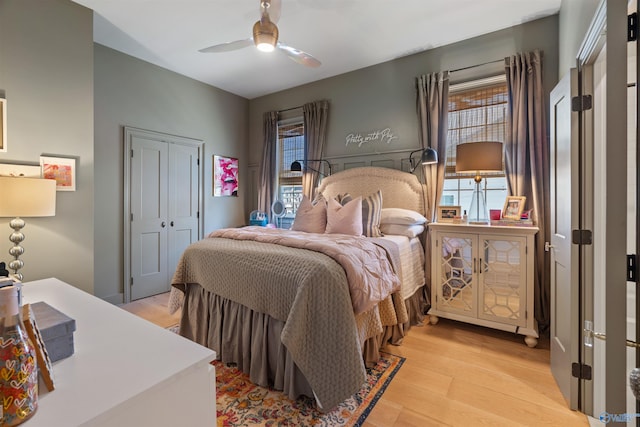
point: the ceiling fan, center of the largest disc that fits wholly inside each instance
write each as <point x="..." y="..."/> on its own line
<point x="265" y="38"/>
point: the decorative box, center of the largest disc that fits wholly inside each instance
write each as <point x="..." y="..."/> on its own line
<point x="56" y="329"/>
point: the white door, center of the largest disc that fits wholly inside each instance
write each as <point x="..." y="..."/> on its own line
<point x="162" y="208"/>
<point x="148" y="216"/>
<point x="563" y="145"/>
<point x="183" y="197"/>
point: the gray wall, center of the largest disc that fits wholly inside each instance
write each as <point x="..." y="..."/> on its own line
<point x="131" y="92"/>
<point x="46" y="74"/>
<point x="47" y="59"/>
<point x="575" y="18"/>
<point x="384" y="95"/>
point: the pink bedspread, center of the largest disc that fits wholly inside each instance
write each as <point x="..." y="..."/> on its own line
<point x="369" y="271"/>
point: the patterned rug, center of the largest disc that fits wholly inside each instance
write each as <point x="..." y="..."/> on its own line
<point x="240" y="403"/>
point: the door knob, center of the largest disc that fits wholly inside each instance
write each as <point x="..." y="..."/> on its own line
<point x="163" y="224"/>
<point x="548" y="246"/>
<point x="171" y="223"/>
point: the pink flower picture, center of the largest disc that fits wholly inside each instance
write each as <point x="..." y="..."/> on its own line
<point x="225" y="176"/>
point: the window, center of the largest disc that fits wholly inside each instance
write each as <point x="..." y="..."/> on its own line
<point x="477" y="112"/>
<point x="290" y="148"/>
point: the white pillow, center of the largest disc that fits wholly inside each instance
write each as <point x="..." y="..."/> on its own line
<point x="410" y="231"/>
<point x="310" y="218"/>
<point x="345" y="219"/>
<point x="401" y="216"/>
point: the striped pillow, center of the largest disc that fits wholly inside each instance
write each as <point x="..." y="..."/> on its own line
<point x="371" y="212"/>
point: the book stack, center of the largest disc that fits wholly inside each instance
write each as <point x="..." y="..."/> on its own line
<point x="525" y="220"/>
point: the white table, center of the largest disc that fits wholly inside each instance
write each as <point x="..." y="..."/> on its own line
<point x="125" y="370"/>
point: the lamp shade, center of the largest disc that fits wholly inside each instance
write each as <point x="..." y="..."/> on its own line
<point x="296" y="166"/>
<point x="479" y="157"/>
<point x="429" y="156"/>
<point x="27" y="197"/>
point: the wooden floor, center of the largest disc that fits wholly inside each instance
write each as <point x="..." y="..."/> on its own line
<point x="454" y="375"/>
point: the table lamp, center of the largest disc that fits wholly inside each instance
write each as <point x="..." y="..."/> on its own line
<point x="479" y="157"/>
<point x="24" y="197"/>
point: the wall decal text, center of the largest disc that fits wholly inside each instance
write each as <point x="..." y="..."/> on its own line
<point x="383" y="135"/>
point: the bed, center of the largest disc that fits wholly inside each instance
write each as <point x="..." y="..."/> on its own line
<point x="281" y="306"/>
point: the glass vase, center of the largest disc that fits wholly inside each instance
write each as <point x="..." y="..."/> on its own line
<point x="18" y="367"/>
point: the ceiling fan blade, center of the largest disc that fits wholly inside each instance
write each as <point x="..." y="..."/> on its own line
<point x="227" y="47"/>
<point x="299" y="56"/>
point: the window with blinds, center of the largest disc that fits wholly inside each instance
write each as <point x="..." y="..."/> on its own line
<point x="477" y="112"/>
<point x="475" y="115"/>
<point x="290" y="148"/>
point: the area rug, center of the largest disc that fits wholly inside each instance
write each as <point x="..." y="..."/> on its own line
<point x="241" y="403"/>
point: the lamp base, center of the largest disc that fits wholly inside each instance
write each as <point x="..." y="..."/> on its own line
<point x="16" y="250"/>
<point x="478" y="212"/>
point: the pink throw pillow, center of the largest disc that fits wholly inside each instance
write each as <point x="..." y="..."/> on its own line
<point x="345" y="219"/>
<point x="310" y="218"/>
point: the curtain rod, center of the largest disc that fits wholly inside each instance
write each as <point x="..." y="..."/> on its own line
<point x="289" y="109"/>
<point x="476" y="65"/>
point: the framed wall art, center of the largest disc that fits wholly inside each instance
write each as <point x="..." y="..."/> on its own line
<point x="513" y="207"/>
<point x="62" y="169"/>
<point x="28" y="171"/>
<point x="3" y="125"/>
<point x="225" y="176"/>
<point x="448" y="213"/>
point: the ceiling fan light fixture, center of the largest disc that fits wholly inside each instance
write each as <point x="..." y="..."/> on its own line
<point x="265" y="35"/>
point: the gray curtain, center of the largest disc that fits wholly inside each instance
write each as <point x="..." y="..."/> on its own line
<point x="268" y="167"/>
<point x="433" y="111"/>
<point x="316" y="117"/>
<point x="527" y="161"/>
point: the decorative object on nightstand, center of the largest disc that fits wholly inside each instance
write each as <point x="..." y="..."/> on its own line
<point x="24" y="197"/>
<point x="258" y="218"/>
<point x="479" y="158"/>
<point x="19" y="378"/>
<point x="278" y="210"/>
<point x="483" y="274"/>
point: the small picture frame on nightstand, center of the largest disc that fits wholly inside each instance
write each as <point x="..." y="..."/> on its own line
<point x="448" y="213"/>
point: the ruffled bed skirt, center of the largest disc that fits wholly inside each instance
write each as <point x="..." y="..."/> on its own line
<point x="251" y="340"/>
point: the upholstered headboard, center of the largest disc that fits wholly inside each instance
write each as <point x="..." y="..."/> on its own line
<point x="399" y="189"/>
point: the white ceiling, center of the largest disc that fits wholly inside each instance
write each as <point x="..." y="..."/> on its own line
<point x="344" y="35"/>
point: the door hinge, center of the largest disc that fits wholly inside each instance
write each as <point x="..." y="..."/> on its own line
<point x="198" y="215"/>
<point x="632" y="262"/>
<point x="579" y="371"/>
<point x="132" y="154"/>
<point x="581" y="103"/>
<point x="131" y="281"/>
<point x="131" y="217"/>
<point x="581" y="237"/>
<point x="198" y="162"/>
<point x="632" y="27"/>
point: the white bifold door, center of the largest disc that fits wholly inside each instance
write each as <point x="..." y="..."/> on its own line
<point x="162" y="208"/>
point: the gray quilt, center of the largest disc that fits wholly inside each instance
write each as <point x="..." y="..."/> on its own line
<point x="305" y="289"/>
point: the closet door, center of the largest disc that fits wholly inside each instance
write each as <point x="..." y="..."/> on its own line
<point x="149" y="172"/>
<point x="162" y="206"/>
<point x="183" y="205"/>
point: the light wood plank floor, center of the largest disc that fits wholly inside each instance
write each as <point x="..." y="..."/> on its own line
<point x="454" y="375"/>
